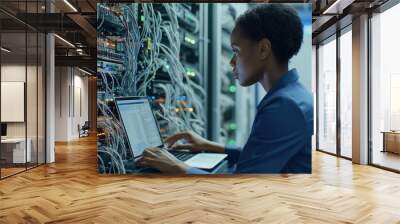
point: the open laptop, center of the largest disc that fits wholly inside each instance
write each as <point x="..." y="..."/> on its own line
<point x="142" y="131"/>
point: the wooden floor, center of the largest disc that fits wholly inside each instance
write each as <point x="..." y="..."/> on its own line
<point x="8" y="171"/>
<point x="5" y="172"/>
<point x="70" y="191"/>
<point x="387" y="159"/>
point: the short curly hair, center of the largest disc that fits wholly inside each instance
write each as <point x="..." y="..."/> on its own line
<point x="279" y="23"/>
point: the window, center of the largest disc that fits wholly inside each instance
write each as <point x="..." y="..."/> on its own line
<point x="327" y="96"/>
<point x="346" y="93"/>
<point x="22" y="76"/>
<point x="385" y="89"/>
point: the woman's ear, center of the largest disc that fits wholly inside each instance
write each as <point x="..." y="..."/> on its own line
<point x="264" y="47"/>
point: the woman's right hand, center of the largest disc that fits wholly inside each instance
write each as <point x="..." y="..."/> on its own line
<point x="194" y="143"/>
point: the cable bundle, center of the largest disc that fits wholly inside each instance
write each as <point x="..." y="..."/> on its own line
<point x="151" y="38"/>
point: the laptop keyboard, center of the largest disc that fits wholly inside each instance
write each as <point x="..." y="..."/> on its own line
<point x="183" y="156"/>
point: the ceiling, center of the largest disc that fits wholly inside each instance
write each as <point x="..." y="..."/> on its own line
<point x="330" y="15"/>
<point x="76" y="22"/>
<point x="72" y="20"/>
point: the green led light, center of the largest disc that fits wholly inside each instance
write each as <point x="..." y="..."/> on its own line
<point x="142" y="18"/>
<point x="232" y="88"/>
<point x="231" y="142"/>
<point x="232" y="126"/>
<point x="190" y="72"/>
<point x="149" y="44"/>
<point x="190" y="40"/>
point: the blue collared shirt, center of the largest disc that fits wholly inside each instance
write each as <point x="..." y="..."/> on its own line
<point x="280" y="139"/>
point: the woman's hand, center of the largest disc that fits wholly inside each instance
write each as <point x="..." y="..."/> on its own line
<point x="195" y="143"/>
<point x="163" y="161"/>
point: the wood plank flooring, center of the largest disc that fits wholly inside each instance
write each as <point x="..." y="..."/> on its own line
<point x="387" y="159"/>
<point x="71" y="191"/>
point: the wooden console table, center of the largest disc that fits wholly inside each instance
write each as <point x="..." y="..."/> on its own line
<point x="391" y="141"/>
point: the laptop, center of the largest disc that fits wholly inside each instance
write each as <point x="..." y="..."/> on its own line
<point x="142" y="131"/>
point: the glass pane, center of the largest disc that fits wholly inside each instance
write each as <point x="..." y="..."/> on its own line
<point x="13" y="87"/>
<point x="41" y="99"/>
<point x="31" y="98"/>
<point x="327" y="96"/>
<point x="22" y="77"/>
<point x="385" y="89"/>
<point x="346" y="94"/>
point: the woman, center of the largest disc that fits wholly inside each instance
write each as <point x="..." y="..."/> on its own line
<point x="264" y="39"/>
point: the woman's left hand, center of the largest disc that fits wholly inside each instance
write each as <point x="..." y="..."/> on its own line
<point x="162" y="160"/>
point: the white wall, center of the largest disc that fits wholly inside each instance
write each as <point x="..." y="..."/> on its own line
<point x="12" y="73"/>
<point x="70" y="83"/>
<point x="16" y="73"/>
<point x="81" y="84"/>
<point x="62" y="81"/>
<point x="33" y="127"/>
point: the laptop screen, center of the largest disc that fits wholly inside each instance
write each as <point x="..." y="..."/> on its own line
<point x="140" y="124"/>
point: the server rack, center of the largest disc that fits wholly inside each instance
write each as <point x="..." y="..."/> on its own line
<point x="234" y="105"/>
<point x="156" y="50"/>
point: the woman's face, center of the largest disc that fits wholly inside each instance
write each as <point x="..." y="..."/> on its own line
<point x="247" y="62"/>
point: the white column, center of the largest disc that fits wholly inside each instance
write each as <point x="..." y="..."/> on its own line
<point x="50" y="100"/>
<point x="360" y="90"/>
